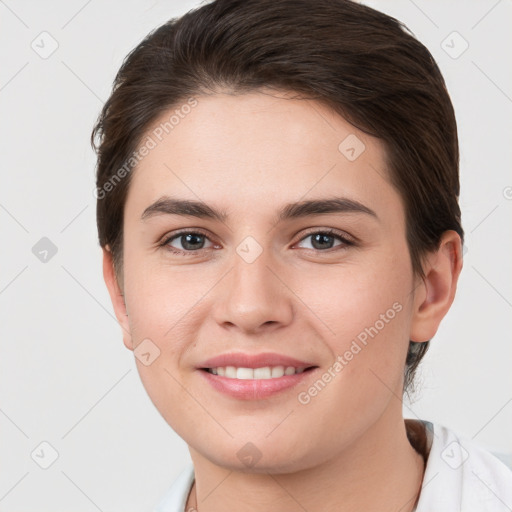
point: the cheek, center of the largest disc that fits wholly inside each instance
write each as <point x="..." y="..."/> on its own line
<point x="160" y="299"/>
<point x="368" y="313"/>
<point x="165" y="305"/>
<point x="360" y="301"/>
<point x="161" y="306"/>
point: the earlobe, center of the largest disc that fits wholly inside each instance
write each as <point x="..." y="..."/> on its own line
<point x="116" y="296"/>
<point x="434" y="296"/>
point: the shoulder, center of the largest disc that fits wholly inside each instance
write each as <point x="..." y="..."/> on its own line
<point x="462" y="476"/>
<point x="175" y="499"/>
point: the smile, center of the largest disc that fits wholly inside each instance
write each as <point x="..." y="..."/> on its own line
<point x="263" y="373"/>
<point x="246" y="376"/>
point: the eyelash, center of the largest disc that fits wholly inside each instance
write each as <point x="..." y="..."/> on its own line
<point x="346" y="242"/>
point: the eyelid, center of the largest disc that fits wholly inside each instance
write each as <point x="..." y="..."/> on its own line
<point x="342" y="235"/>
<point x="169" y="236"/>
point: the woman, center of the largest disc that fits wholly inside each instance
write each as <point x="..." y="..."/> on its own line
<point x="277" y="191"/>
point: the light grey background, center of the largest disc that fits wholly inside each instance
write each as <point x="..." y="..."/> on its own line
<point x="66" y="377"/>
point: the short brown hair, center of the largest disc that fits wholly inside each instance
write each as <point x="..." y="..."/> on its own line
<point x="363" y="64"/>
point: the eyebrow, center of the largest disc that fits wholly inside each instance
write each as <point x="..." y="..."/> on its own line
<point x="185" y="207"/>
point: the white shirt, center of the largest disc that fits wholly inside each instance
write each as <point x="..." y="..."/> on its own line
<point x="459" y="477"/>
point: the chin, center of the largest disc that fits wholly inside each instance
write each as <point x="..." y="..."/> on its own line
<point x="258" y="457"/>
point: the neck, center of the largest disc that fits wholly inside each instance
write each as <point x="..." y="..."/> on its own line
<point x="381" y="471"/>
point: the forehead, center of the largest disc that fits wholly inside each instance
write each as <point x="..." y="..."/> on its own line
<point x="253" y="152"/>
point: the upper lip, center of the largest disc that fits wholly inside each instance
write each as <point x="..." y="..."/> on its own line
<point x="241" y="360"/>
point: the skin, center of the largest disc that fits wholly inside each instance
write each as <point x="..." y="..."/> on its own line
<point x="250" y="154"/>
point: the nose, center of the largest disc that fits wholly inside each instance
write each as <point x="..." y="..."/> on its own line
<point x="253" y="297"/>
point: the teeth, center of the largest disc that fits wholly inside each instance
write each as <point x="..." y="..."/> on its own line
<point x="267" y="372"/>
<point x="244" y="373"/>
<point x="277" y="371"/>
<point x="262" y="373"/>
<point x="230" y="372"/>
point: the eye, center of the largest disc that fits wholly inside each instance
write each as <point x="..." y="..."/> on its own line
<point x="325" y="240"/>
<point x="186" y="242"/>
<point x="189" y="242"/>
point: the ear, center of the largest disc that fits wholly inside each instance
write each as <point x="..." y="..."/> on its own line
<point x="117" y="297"/>
<point x="434" y="295"/>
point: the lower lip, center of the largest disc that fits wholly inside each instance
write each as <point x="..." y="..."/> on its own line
<point x="254" y="389"/>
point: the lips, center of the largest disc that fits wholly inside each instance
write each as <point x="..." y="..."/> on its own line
<point x="254" y="376"/>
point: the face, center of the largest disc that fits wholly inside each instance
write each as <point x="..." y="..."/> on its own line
<point x="303" y="308"/>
